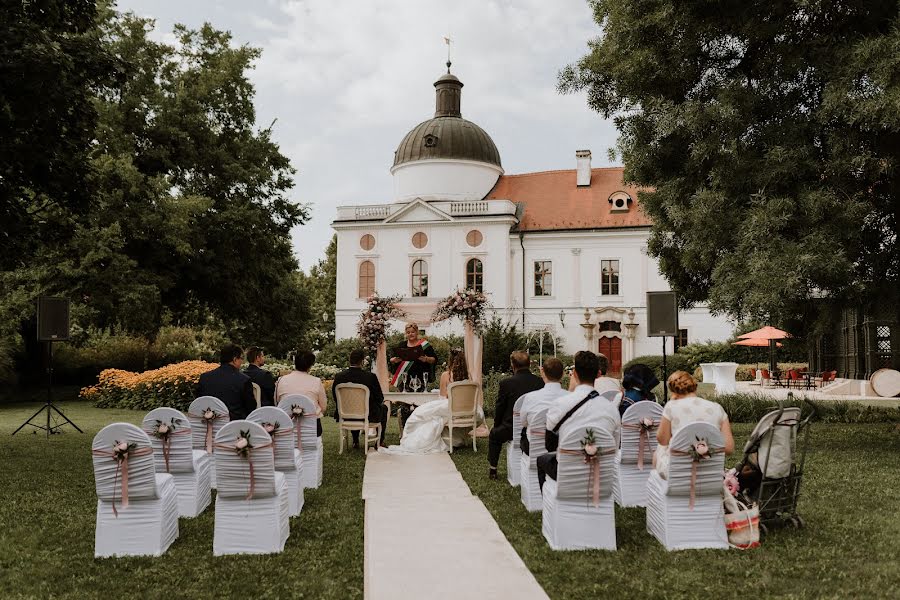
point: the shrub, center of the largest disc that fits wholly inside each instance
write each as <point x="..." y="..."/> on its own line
<point x="174" y="385"/>
<point x="7" y="363"/>
<point x="707" y="352"/>
<point x="751" y="407"/>
<point x="338" y="353"/>
<point x="674" y="363"/>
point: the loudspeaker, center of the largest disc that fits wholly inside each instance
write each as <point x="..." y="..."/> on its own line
<point x="52" y="319"/>
<point x="662" y="314"/>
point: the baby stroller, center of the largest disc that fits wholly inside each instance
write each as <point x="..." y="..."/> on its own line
<point x="771" y="470"/>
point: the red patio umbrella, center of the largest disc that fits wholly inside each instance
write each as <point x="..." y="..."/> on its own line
<point x="755" y="343"/>
<point x="767" y="334"/>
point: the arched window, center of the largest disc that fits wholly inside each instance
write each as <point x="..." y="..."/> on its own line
<point x="474" y="275"/>
<point x="419" y="278"/>
<point x="366" y="279"/>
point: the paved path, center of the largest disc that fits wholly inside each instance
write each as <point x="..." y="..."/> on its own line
<point x="427" y="536"/>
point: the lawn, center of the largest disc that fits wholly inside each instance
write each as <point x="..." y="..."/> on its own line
<point x="848" y="549"/>
<point x="47" y="528"/>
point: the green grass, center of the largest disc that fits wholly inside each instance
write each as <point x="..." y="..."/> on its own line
<point x="848" y="549"/>
<point x="47" y="518"/>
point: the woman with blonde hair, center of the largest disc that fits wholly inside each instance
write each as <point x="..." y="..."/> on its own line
<point x="685" y="407"/>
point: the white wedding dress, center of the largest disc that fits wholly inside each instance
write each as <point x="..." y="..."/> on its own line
<point x="426" y="429"/>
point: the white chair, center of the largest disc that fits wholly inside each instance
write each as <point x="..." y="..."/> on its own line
<point x="251" y="504"/>
<point x="513" y="450"/>
<point x="574" y="517"/>
<point x="288" y="460"/>
<point x="204" y="431"/>
<point x="145" y="525"/>
<point x="352" y="401"/>
<point x="462" y="397"/>
<point x="634" y="461"/>
<point x="257" y="394"/>
<point x="307" y="441"/>
<point x="670" y="517"/>
<point x="528" y="479"/>
<point x="173" y="454"/>
<point x="613" y="396"/>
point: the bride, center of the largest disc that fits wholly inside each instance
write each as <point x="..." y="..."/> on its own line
<point x="426" y="427"/>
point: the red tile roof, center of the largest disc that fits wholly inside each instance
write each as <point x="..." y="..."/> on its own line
<point x="552" y="201"/>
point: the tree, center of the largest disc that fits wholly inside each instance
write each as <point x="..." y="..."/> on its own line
<point x="321" y="289"/>
<point x="766" y="138"/>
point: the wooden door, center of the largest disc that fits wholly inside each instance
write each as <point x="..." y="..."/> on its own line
<point x="611" y="348"/>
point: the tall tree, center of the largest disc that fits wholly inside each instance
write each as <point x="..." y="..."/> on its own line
<point x="767" y="137"/>
<point x="321" y="289"/>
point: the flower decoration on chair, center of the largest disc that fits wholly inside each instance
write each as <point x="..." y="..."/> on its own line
<point x="209" y="414"/>
<point x="468" y="305"/>
<point x="700" y="450"/>
<point x="373" y="322"/>
<point x="589" y="446"/>
<point x="122" y="449"/>
<point x="242" y="445"/>
<point x="647" y="425"/>
<point x="296" y="410"/>
<point x="163" y="430"/>
<point x="271" y="428"/>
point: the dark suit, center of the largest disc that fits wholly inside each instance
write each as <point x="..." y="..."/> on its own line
<point x="231" y="387"/>
<point x="266" y="384"/>
<point x="511" y="389"/>
<point x="377" y="409"/>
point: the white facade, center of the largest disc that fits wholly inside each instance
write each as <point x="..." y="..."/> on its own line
<point x="446" y="179"/>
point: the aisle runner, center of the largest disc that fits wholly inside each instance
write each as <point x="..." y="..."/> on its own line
<point x="428" y="537"/>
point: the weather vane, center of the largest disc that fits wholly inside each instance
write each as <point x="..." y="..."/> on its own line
<point x="447" y="41"/>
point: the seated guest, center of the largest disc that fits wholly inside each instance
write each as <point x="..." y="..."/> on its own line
<point x="228" y="384"/>
<point x="603" y="383"/>
<point x="582" y="407"/>
<point x="638" y="382"/>
<point x="299" y="381"/>
<point x="520" y="382"/>
<point x="685" y="407"/>
<point x="260" y="376"/>
<point x="356" y="374"/>
<point x="457" y="370"/>
<point x="542" y="399"/>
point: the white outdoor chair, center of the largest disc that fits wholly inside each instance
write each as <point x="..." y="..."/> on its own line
<point x="462" y="397"/>
<point x="670" y="518"/>
<point x="613" y="396"/>
<point x="574" y="518"/>
<point x="203" y="432"/>
<point x="145" y="525"/>
<point x="634" y="461"/>
<point x="513" y="451"/>
<point x="352" y="401"/>
<point x="528" y="479"/>
<point x="307" y="442"/>
<point x="173" y="454"/>
<point x="251" y="505"/>
<point x="288" y="460"/>
<point x="257" y="394"/>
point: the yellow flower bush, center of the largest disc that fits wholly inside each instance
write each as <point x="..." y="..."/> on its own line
<point x="173" y="385"/>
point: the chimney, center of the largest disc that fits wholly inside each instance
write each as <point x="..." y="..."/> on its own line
<point x="583" y="168"/>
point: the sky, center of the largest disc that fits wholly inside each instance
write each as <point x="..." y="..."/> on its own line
<point x="346" y="79"/>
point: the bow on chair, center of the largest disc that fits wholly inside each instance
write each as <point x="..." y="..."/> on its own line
<point x="249" y="457"/>
<point x="166" y="442"/>
<point x="643" y="438"/>
<point x="209" y="428"/>
<point x="695" y="460"/>
<point x="122" y="469"/>
<point x="593" y="463"/>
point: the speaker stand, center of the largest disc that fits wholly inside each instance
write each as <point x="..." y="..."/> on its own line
<point x="49" y="407"/>
<point x="665" y="375"/>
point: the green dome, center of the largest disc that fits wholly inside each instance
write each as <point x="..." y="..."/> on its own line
<point x="447" y="135"/>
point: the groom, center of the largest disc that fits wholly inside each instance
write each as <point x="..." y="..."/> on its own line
<point x="413" y="359"/>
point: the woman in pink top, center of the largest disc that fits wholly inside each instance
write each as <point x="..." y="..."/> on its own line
<point x="299" y="381"/>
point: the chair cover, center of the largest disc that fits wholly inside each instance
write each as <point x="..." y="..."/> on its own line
<point x="462" y="397"/>
<point x="612" y="396"/>
<point x="352" y="400"/>
<point x="252" y="499"/>
<point x="670" y="517"/>
<point x="203" y="432"/>
<point x="579" y="511"/>
<point x="288" y="460"/>
<point x="173" y="454"/>
<point x="513" y="451"/>
<point x="528" y="480"/>
<point x="137" y="508"/>
<point x="307" y="442"/>
<point x="634" y="461"/>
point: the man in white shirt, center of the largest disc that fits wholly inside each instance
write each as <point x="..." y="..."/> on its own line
<point x="604" y="383"/>
<point x="596" y="412"/>
<point x="538" y="400"/>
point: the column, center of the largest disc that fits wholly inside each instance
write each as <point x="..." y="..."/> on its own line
<point x="588" y="331"/>
<point x="576" y="277"/>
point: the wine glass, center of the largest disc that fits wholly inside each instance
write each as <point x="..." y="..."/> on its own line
<point x="415" y="384"/>
<point x="425" y="382"/>
<point x="402" y="381"/>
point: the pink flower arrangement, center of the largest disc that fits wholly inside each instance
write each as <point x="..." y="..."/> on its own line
<point x="732" y="486"/>
<point x="647" y="424"/>
<point x="121" y="449"/>
<point x="700" y="449"/>
<point x="242" y="445"/>
<point x="209" y="415"/>
<point x="589" y="446"/>
<point x="373" y="323"/>
<point x="468" y="305"/>
<point x="296" y="410"/>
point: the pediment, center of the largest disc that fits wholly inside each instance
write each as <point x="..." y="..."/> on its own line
<point x="418" y="211"/>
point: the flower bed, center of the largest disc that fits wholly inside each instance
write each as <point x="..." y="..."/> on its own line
<point x="174" y="386"/>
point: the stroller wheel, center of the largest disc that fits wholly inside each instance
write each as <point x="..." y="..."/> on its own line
<point x="798" y="521"/>
<point x="763" y="530"/>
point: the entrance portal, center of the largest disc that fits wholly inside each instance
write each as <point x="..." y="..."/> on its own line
<point x="611" y="348"/>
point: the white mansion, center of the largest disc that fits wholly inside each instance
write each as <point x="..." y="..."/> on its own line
<point x="562" y="251"/>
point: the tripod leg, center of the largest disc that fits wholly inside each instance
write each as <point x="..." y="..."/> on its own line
<point x="68" y="420"/>
<point x="30" y="419"/>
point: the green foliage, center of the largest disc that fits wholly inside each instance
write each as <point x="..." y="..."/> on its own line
<point x="320" y="288"/>
<point x="765" y="139"/>
<point x="338" y="353"/>
<point x="501" y="339"/>
<point x="673" y="363"/>
<point x="750" y="408"/>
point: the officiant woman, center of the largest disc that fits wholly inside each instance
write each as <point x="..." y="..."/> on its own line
<point x="413" y="360"/>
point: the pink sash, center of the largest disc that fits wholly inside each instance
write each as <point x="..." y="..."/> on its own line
<point x="593" y="463"/>
<point x="122" y="467"/>
<point x="249" y="458"/>
<point x="643" y="438"/>
<point x="694" y="463"/>
<point x="209" y="428"/>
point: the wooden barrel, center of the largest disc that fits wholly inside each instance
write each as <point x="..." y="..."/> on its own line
<point x="886" y="382"/>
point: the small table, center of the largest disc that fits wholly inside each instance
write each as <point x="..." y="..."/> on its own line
<point x="408" y="398"/>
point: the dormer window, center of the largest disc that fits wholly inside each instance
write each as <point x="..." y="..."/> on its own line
<point x="619" y="202"/>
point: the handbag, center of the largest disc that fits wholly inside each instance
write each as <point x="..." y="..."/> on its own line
<point x="743" y="526"/>
<point x="551" y="436"/>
